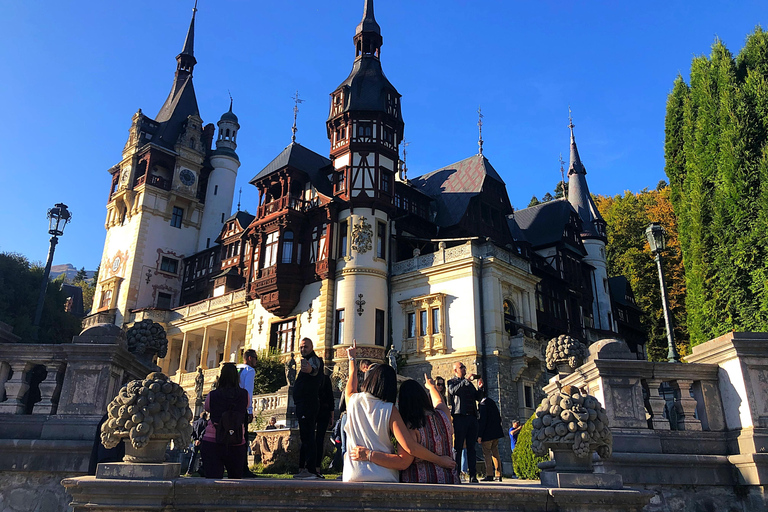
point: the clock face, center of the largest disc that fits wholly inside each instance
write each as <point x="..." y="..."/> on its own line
<point x="187" y="177"/>
<point x="116" y="264"/>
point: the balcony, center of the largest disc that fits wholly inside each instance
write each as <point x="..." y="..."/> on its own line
<point x="278" y="287"/>
<point x="283" y="203"/>
<point x="155" y="181"/>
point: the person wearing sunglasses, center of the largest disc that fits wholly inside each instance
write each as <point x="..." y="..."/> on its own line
<point x="463" y="398"/>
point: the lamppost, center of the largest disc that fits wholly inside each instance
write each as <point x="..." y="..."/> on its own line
<point x="657" y="239"/>
<point x="58" y="217"/>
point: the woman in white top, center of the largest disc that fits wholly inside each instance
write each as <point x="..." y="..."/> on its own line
<point x="372" y="419"/>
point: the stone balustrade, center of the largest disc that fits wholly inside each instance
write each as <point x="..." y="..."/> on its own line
<point x="459" y="252"/>
<point x="24" y="366"/>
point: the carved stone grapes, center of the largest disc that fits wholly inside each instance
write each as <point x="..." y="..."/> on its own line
<point x="573" y="417"/>
<point x="147" y="338"/>
<point x="145" y="408"/>
<point x="565" y="349"/>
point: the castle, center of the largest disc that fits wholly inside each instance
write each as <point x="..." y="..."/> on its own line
<point x="344" y="245"/>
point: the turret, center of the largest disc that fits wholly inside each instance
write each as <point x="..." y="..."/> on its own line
<point x="221" y="181"/>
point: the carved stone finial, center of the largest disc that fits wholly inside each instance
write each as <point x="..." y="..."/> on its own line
<point x="145" y="339"/>
<point x="145" y="410"/>
<point x="392" y="358"/>
<point x="571" y="417"/>
<point x="565" y="353"/>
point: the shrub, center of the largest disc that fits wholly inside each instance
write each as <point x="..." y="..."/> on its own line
<point x="524" y="462"/>
<point x="270" y="373"/>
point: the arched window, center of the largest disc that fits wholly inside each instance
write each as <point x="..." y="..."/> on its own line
<point x="227" y="134"/>
<point x="509" y="318"/>
<point x="287" y="247"/>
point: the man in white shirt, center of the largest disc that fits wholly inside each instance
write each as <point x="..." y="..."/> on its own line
<point x="247" y="375"/>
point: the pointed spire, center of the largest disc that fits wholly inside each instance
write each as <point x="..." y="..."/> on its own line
<point x="575" y="167"/>
<point x="189" y="42"/>
<point x="593" y="225"/>
<point x="368" y="23"/>
<point x="367" y="38"/>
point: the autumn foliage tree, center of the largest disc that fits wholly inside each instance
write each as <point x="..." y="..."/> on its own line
<point x="628" y="254"/>
<point x="716" y="151"/>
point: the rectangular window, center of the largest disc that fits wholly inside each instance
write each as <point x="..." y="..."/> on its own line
<point x="170" y="265"/>
<point x="215" y="189"/>
<point x="343" y="239"/>
<point x="411" y="325"/>
<point x="222" y="217"/>
<point x="385" y="177"/>
<point x="339" y="339"/>
<point x="381" y="241"/>
<point x="423" y="322"/>
<point x="528" y="391"/>
<point x="207" y="243"/>
<point x="164" y="300"/>
<point x="282" y="336"/>
<point x="380" y="327"/>
<point x="106" y="299"/>
<point x="177" y="217"/>
<point x="435" y="320"/>
<point x="270" y="250"/>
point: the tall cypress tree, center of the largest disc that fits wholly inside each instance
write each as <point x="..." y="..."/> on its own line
<point x="716" y="153"/>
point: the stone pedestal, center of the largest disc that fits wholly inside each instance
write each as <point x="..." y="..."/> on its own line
<point x="566" y="470"/>
<point x="130" y="471"/>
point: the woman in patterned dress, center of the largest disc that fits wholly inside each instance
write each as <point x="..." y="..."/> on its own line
<point x="429" y="422"/>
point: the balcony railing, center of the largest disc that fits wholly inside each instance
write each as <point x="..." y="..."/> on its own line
<point x="155" y="181"/>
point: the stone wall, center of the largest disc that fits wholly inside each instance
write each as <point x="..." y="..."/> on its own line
<point x="705" y="498"/>
<point x="34" y="491"/>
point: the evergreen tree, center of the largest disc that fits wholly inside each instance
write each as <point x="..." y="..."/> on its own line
<point x="716" y="152"/>
<point x="547" y="198"/>
<point x="81" y="276"/>
<point x="534" y="201"/>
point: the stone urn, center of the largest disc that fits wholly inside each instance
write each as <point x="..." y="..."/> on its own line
<point x="148" y="414"/>
<point x="565" y="354"/>
<point x="571" y="424"/>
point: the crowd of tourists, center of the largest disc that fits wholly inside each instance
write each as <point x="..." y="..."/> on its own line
<point x="436" y="426"/>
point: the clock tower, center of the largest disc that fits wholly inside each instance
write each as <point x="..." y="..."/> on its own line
<point x="365" y="128"/>
<point x="161" y="201"/>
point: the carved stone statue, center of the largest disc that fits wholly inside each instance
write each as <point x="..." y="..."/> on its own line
<point x="565" y="353"/>
<point x="392" y="358"/>
<point x="148" y="412"/>
<point x="290" y="371"/>
<point x="199" y="383"/>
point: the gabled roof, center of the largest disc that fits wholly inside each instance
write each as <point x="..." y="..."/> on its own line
<point x="243" y="218"/>
<point x="454" y="185"/>
<point x="544" y="223"/>
<point x="180" y="104"/>
<point x="620" y="289"/>
<point x="298" y="157"/>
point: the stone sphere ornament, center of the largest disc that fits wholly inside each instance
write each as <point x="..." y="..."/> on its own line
<point x="145" y="339"/>
<point x="149" y="413"/>
<point x="565" y="354"/>
<point x="571" y="420"/>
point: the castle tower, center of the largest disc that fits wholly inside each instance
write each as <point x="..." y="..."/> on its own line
<point x="156" y="201"/>
<point x="365" y="128"/>
<point x="221" y="181"/>
<point x="593" y="237"/>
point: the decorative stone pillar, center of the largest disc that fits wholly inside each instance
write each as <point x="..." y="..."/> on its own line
<point x="50" y="388"/>
<point x="227" y="341"/>
<point x="183" y="355"/>
<point x="658" y="403"/>
<point x="5" y="369"/>
<point x="204" y="349"/>
<point x="686" y="419"/>
<point x="15" y="388"/>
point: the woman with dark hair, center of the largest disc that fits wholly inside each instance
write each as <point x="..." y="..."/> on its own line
<point x="430" y="425"/>
<point x="223" y="444"/>
<point x="372" y="420"/>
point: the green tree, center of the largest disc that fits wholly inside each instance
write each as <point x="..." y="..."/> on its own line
<point x="628" y="254"/>
<point x="534" y="201"/>
<point x="716" y="152"/>
<point x="270" y="373"/>
<point x="20" y="281"/>
<point x="524" y="461"/>
<point x="81" y="276"/>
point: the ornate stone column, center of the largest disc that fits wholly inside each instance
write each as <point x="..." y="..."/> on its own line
<point x="658" y="404"/>
<point x="50" y="388"/>
<point x="686" y="419"/>
<point x="227" y="341"/>
<point x="183" y="355"/>
<point x="204" y="349"/>
<point x="15" y="388"/>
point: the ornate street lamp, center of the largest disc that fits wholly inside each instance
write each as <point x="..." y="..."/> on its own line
<point x="58" y="217"/>
<point x="657" y="239"/>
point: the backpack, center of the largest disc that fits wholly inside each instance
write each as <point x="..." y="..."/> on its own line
<point x="229" y="429"/>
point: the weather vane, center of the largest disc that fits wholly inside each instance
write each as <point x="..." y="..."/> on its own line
<point x="480" y="129"/>
<point x="296" y="102"/>
<point x="562" y="174"/>
<point x="239" y="197"/>
<point x="405" y="155"/>
<point x="570" y="118"/>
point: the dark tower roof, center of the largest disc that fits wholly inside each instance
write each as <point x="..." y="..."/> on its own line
<point x="593" y="225"/>
<point x="181" y="102"/>
<point x="366" y="88"/>
<point x="298" y="157"/>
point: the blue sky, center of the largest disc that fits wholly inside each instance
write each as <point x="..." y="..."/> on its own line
<point x="73" y="74"/>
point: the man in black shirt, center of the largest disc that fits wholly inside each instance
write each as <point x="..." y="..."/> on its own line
<point x="463" y="397"/>
<point x="307" y="402"/>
